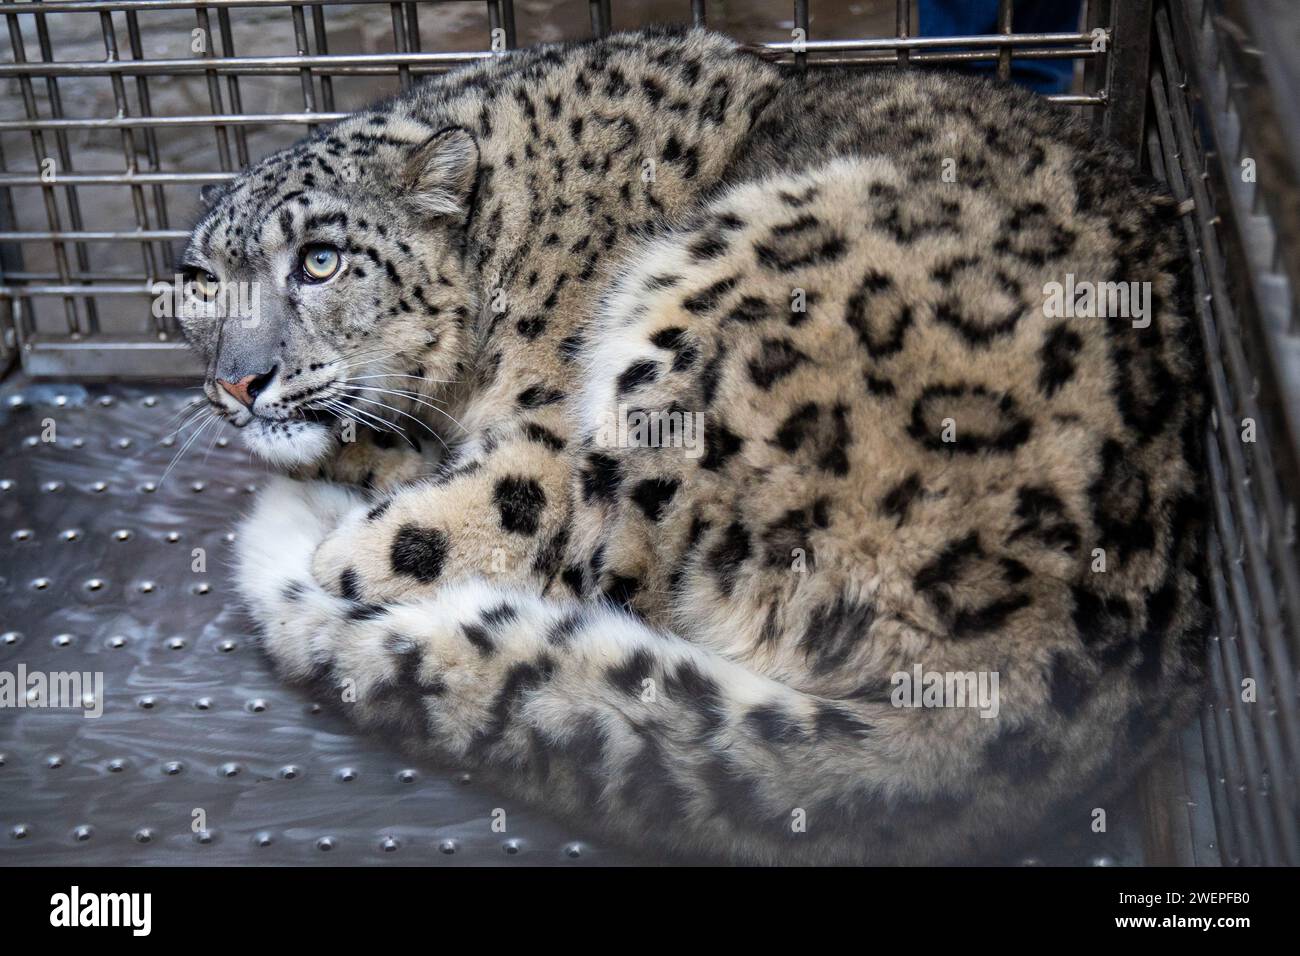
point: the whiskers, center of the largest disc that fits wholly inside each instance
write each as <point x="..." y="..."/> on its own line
<point x="407" y="395"/>
<point x="395" y="407"/>
<point x="204" y="422"/>
<point x="344" y="410"/>
<point x="344" y="400"/>
<point x="391" y="408"/>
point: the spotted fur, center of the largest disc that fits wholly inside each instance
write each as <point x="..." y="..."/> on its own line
<point x="903" y="461"/>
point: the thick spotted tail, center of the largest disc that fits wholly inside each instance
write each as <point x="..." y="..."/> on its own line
<point x="592" y="714"/>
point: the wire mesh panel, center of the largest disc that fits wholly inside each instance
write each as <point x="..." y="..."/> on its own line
<point x="117" y="111"/>
<point x="1201" y="146"/>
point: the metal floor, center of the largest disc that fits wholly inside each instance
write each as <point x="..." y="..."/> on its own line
<point x="95" y="575"/>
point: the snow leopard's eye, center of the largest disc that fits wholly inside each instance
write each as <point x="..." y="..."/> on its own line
<point x="320" y="262"/>
<point x="202" y="284"/>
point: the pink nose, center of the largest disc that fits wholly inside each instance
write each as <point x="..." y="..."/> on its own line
<point x="239" y="389"/>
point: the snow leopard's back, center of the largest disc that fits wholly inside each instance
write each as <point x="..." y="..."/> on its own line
<point x="914" y="453"/>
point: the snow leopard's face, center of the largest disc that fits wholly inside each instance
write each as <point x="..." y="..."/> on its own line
<point x="329" y="279"/>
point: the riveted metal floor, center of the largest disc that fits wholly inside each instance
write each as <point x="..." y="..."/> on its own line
<point x="200" y="755"/>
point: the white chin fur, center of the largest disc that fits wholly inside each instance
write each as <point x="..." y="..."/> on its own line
<point x="287" y="444"/>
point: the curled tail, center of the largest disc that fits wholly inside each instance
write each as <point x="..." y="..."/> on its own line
<point x="591" y="713"/>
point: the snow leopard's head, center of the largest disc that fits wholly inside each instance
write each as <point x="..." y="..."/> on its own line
<point x="329" y="281"/>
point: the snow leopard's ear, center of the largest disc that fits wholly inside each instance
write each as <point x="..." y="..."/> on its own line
<point x="211" y="193"/>
<point x="440" y="172"/>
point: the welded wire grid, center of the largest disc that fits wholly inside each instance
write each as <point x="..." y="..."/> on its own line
<point x="1251" y="739"/>
<point x="78" y="283"/>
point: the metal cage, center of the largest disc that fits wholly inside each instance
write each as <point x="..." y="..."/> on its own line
<point x="116" y="111"/>
<point x="87" y="248"/>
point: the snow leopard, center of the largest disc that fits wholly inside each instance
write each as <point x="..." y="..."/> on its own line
<point x="705" y="452"/>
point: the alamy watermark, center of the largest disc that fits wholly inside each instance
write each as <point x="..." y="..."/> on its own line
<point x="182" y="299"/>
<point x="922" y="688"/>
<point x="635" y="428"/>
<point x="65" y="690"/>
<point x="75" y="908"/>
<point x="1098" y="300"/>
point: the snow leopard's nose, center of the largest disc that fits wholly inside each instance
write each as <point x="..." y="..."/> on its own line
<point x="249" y="387"/>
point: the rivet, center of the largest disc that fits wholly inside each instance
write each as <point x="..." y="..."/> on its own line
<point x="226" y="646"/>
<point x="573" y="851"/>
<point x="223" y="441"/>
<point x="389" y="845"/>
<point x="23" y="534"/>
<point x="122" y="534"/>
<point x="173" y="536"/>
<point x="1031" y="861"/>
<point x="198" y="486"/>
<point x="17" y="401"/>
<point x="511" y="847"/>
<point x="314" y="708"/>
<point x="325" y="844"/>
<point x="464" y="778"/>
<point x="147" y="587"/>
<point x="78" y="443"/>
<point x="150" y="401"/>
<point x="20" y="832"/>
<point x="55" y="762"/>
<point x="256" y="706"/>
<point x="41" y="584"/>
<point x="116" y="765"/>
<point x="172" y="767"/>
<point x="407" y="776"/>
<point x="6" y="484"/>
<point x="105" y="401"/>
<point x="31" y="442"/>
<point x="262" y="839"/>
<point x="202" y="588"/>
<point x="176" y="643"/>
<point x="123" y="443"/>
<point x="117" y="641"/>
<point x="229" y="537"/>
<point x="52" y="486"/>
<point x="230" y="769"/>
<point x="168" y="441"/>
<point x="203" y="837"/>
<point x="147" y="702"/>
<point x="203" y="703"/>
<point x="82" y="833"/>
<point x="346" y="775"/>
<point x="11" y="637"/>
<point x="99" y="486"/>
<point x="144" y="835"/>
<point x="1101" y="861"/>
<point x="149" y="487"/>
<point x="72" y="534"/>
<point x="62" y="640"/>
<point x="447" y="846"/>
<point x="60" y="400"/>
<point x="95" y="584"/>
<point x="289" y="773"/>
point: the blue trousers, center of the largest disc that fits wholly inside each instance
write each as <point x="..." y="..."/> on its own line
<point x="970" y="17"/>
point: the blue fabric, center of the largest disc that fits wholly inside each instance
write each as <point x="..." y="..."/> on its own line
<point x="970" y="17"/>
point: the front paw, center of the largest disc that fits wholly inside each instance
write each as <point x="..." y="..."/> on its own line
<point x="276" y="541"/>
<point x="356" y="560"/>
